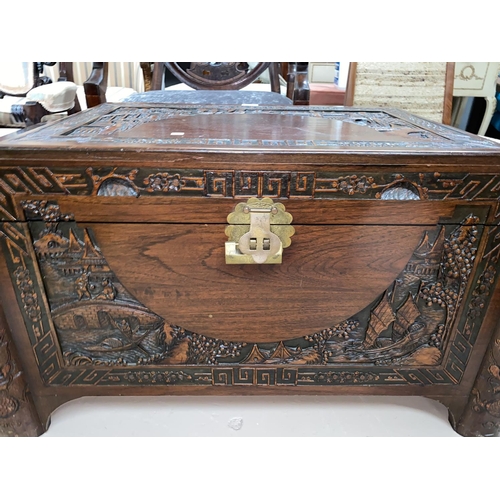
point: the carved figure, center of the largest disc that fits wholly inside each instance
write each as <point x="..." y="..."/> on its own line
<point x="83" y="286"/>
<point x="108" y="291"/>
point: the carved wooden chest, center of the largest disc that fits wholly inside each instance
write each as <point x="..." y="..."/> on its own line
<point x="155" y="249"/>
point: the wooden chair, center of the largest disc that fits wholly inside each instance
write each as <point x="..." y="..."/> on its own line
<point x="216" y="76"/>
<point x="423" y="89"/>
<point x="220" y="79"/>
<point x="27" y="96"/>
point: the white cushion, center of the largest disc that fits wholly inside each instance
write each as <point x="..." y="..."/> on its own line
<point x="120" y="74"/>
<point x="54" y="97"/>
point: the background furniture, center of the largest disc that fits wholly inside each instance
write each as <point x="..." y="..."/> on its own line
<point x="475" y="79"/>
<point x="122" y="80"/>
<point x="216" y="76"/>
<point x="220" y="77"/>
<point x="27" y="97"/>
<point x="326" y="85"/>
<point x="423" y="89"/>
<point x="326" y="94"/>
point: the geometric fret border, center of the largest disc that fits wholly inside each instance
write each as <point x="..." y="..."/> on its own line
<point x="354" y="185"/>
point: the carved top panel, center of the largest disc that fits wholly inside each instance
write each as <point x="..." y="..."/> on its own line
<point x="250" y="128"/>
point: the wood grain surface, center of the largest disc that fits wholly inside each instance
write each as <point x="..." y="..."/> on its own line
<point x="209" y="210"/>
<point x="327" y="274"/>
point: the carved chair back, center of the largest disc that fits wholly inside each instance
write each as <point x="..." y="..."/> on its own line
<point x="204" y="76"/>
<point x="216" y="75"/>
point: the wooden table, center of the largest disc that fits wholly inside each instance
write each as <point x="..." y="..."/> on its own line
<point x="154" y="249"/>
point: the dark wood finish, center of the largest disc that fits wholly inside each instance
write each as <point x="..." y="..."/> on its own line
<point x="290" y="79"/>
<point x="297" y="88"/>
<point x="274" y="77"/>
<point x="482" y="414"/>
<point x="284" y="70"/>
<point x="33" y="112"/>
<point x="448" y="93"/>
<point x="96" y="85"/>
<point x="114" y="280"/>
<point x="157" y="76"/>
<point x="299" y="85"/>
<point x="351" y="84"/>
<point x="215" y="76"/>
<point x="297" y="306"/>
<point x="148" y="75"/>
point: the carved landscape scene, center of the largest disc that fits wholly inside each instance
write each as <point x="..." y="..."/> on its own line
<point x="98" y="322"/>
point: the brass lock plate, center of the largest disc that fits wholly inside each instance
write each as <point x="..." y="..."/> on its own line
<point x="259" y="230"/>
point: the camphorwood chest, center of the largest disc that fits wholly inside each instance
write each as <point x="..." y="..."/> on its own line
<point x="163" y="249"/>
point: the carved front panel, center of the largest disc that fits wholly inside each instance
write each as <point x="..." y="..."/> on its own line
<point x="99" y="326"/>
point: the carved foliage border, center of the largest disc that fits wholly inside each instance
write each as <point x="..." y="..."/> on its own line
<point x="482" y="414"/>
<point x="17" y="181"/>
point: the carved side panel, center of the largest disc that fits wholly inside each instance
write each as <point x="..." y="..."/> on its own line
<point x="482" y="414"/>
<point x="18" y="416"/>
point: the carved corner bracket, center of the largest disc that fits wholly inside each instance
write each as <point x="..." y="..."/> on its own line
<point x="18" y="416"/>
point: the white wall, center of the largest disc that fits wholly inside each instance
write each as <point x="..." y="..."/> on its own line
<point x="297" y="416"/>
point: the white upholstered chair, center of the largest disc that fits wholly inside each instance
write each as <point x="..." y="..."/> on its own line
<point x="123" y="79"/>
<point x="26" y="97"/>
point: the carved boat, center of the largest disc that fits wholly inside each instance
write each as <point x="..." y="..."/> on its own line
<point x="380" y="319"/>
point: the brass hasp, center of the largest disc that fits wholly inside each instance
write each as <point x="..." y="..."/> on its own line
<point x="259" y="230"/>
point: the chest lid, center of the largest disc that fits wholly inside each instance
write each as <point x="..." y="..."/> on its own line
<point x="133" y="127"/>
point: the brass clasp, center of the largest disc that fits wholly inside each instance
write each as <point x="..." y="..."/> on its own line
<point x="259" y="230"/>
